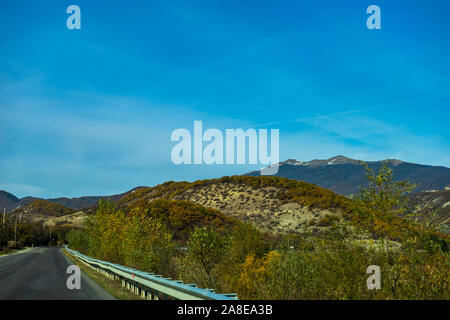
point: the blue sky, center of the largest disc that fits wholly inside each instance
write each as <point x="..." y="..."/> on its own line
<point x="91" y="111"/>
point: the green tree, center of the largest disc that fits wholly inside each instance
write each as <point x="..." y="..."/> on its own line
<point x="382" y="208"/>
<point x="207" y="247"/>
<point x="384" y="195"/>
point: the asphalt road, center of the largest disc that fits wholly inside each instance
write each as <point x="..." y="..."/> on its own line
<point x="40" y="274"/>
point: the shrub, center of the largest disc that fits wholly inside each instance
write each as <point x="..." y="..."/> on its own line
<point x="78" y="240"/>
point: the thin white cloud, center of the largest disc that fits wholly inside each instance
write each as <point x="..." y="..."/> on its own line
<point x="365" y="138"/>
<point x="22" y="189"/>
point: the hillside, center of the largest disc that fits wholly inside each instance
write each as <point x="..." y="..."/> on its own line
<point x="8" y="201"/>
<point x="433" y="201"/>
<point x="273" y="204"/>
<point x="41" y="207"/>
<point x="270" y="203"/>
<point x="245" y="259"/>
<point x="181" y="216"/>
<point x="343" y="175"/>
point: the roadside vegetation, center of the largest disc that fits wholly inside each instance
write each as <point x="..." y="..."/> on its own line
<point x="17" y="233"/>
<point x="183" y="240"/>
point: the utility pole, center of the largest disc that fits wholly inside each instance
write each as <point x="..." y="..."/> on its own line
<point x="15" y="233"/>
<point x="4" y="209"/>
<point x="50" y="236"/>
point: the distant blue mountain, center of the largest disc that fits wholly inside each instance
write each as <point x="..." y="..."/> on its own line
<point x="344" y="175"/>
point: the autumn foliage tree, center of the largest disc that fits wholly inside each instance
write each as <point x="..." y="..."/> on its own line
<point x="134" y="238"/>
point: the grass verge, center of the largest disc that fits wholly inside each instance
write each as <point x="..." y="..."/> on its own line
<point x="9" y="252"/>
<point x="114" y="287"/>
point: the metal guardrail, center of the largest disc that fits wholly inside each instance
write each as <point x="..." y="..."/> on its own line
<point x="148" y="285"/>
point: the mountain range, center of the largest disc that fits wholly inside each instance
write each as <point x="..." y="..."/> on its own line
<point x="271" y="203"/>
<point x="10" y="201"/>
<point x="263" y="206"/>
<point x="343" y="175"/>
<point x="340" y="174"/>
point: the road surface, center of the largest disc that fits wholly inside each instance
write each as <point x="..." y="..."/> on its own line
<point x="40" y="274"/>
